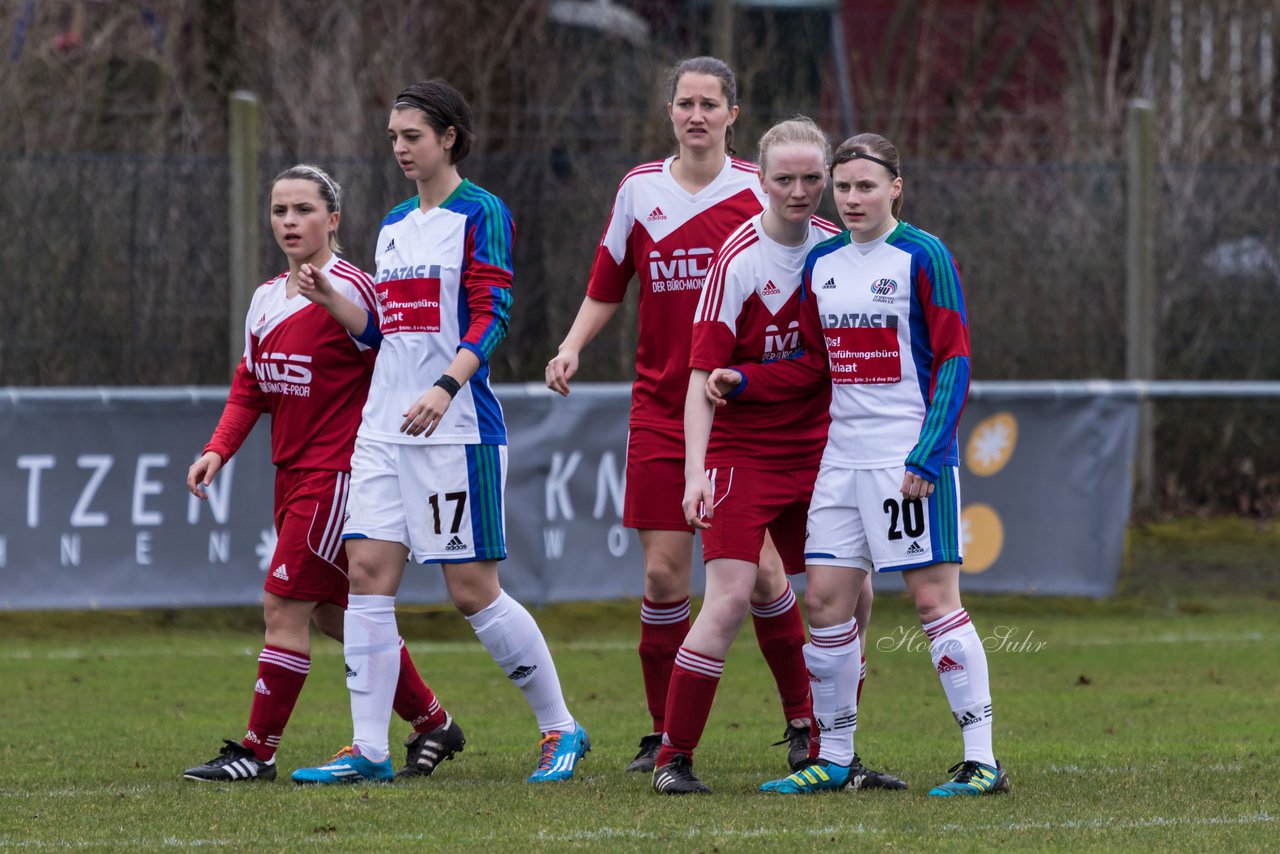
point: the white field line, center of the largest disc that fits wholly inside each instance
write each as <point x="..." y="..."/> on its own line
<point x="693" y="833"/>
<point x="868" y="830"/>
<point x="322" y="649"/>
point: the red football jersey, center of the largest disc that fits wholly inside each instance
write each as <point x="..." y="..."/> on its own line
<point x="750" y="313"/>
<point x="301" y="366"/>
<point x="668" y="238"/>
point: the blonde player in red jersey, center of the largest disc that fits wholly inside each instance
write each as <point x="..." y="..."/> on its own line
<point x="885" y="304"/>
<point x="304" y="369"/>
<point x="668" y="220"/>
<point x="751" y="470"/>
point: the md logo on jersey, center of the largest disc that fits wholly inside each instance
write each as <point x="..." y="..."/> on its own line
<point x="282" y="368"/>
<point x="681" y="270"/>
<point x="779" y="344"/>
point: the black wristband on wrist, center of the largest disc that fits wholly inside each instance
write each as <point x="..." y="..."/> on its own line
<point x="449" y="384"/>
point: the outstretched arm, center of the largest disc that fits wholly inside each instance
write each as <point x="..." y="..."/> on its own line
<point x="356" y="319"/>
<point x="592" y="317"/>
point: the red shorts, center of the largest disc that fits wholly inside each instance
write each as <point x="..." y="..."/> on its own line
<point x="749" y="502"/>
<point x="309" y="562"/>
<point x="655" y="480"/>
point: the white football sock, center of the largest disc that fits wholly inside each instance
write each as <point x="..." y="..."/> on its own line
<point x="961" y="663"/>
<point x="515" y="642"/>
<point x="832" y="656"/>
<point x="372" y="648"/>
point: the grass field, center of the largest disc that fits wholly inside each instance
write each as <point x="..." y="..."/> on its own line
<point x="1144" y="723"/>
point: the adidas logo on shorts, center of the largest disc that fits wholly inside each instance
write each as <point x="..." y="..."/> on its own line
<point x="829" y="284"/>
<point x="281" y="573"/>
<point x="914" y="549"/>
<point x="455" y="545"/>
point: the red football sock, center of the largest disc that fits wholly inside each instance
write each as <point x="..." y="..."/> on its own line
<point x="663" y="626"/>
<point x="780" y="633"/>
<point x="281" y="674"/>
<point x="414" y="701"/>
<point x="694" y="679"/>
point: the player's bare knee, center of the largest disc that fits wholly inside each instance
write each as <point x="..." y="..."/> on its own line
<point x="328" y="620"/>
<point x="771" y="582"/>
<point x="934" y="604"/>
<point x="664" y="579"/>
<point x="472" y="587"/>
<point x="821" y="607"/>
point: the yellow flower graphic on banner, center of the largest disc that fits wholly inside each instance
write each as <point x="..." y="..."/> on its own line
<point x="991" y="444"/>
<point x="982" y="536"/>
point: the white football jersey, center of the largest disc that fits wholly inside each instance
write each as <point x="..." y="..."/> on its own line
<point x="443" y="284"/>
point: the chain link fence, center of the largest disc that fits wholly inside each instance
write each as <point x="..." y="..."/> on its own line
<point x="117" y="265"/>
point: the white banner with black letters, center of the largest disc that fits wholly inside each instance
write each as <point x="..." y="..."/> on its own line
<point x="94" y="512"/>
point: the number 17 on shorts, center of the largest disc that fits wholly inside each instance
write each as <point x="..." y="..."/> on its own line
<point x="445" y="502"/>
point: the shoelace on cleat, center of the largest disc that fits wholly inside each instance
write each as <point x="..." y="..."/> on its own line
<point x="967" y="771"/>
<point x="349" y="750"/>
<point x="549" y="744"/>
<point x="232" y="751"/>
<point x="790" y="733"/>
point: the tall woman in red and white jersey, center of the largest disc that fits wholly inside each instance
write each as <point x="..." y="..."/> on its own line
<point x="668" y="220"/>
<point x="751" y="471"/>
<point x="302" y="368"/>
<point x="885" y="301"/>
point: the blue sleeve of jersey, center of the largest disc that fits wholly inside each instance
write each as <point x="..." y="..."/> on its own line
<point x="938" y="432"/>
<point x="487" y="276"/>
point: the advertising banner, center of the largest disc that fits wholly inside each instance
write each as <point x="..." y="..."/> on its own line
<point x="94" y="511"/>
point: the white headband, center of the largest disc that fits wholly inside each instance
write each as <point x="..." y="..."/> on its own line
<point x="325" y="178"/>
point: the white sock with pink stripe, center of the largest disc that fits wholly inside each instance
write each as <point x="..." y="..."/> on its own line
<point x="832" y="656"/>
<point x="961" y="663"/>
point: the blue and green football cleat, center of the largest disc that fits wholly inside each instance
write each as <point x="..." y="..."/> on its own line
<point x="818" y="775"/>
<point x="346" y="766"/>
<point x="973" y="778"/>
<point x="561" y="752"/>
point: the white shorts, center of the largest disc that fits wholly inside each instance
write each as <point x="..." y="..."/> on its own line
<point x="444" y="502"/>
<point x="858" y="518"/>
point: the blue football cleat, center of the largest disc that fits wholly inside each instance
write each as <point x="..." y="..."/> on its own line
<point x="561" y="752"/>
<point x="973" y="778"/>
<point x="818" y="775"/>
<point x="346" y="766"/>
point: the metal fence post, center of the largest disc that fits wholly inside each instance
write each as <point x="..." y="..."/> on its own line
<point x="1140" y="265"/>
<point x="243" y="216"/>
<point x="722" y="30"/>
